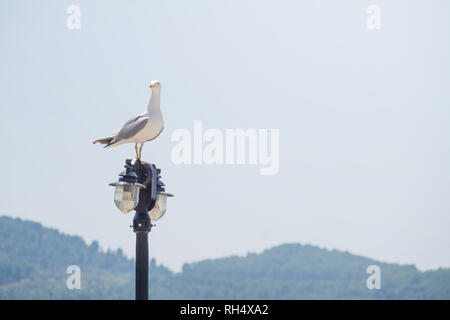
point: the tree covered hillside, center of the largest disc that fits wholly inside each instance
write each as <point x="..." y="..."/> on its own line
<point x="34" y="259"/>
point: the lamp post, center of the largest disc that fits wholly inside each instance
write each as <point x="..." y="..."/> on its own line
<point x="140" y="188"/>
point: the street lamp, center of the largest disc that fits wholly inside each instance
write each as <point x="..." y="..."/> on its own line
<point x="126" y="195"/>
<point x="140" y="188"/>
<point x="160" y="206"/>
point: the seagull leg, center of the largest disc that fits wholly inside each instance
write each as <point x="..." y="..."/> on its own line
<point x="140" y="151"/>
<point x="136" y="149"/>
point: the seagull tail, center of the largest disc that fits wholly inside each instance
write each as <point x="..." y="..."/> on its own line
<point x="106" y="141"/>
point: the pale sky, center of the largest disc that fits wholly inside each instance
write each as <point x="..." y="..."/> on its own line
<point x="363" y="118"/>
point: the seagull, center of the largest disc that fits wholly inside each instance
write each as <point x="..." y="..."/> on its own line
<point x="145" y="127"/>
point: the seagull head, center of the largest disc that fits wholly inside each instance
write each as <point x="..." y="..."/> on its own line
<point x="155" y="84"/>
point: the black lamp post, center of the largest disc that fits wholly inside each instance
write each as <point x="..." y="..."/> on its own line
<point x="140" y="188"/>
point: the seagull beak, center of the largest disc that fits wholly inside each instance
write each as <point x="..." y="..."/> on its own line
<point x="151" y="85"/>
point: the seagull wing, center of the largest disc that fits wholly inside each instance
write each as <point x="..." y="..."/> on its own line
<point x="129" y="129"/>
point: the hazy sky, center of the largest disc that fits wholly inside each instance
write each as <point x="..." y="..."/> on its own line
<point x="363" y="118"/>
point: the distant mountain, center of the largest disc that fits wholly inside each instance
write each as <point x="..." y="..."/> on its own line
<point x="34" y="259"/>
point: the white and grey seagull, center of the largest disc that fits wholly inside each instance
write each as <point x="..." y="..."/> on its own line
<point x="145" y="127"/>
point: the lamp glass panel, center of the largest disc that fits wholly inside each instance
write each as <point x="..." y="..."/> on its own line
<point x="126" y="197"/>
<point x="160" y="207"/>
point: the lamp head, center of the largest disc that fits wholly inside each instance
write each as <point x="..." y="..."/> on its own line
<point x="126" y="194"/>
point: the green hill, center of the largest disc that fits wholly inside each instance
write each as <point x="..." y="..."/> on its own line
<point x="34" y="259"/>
